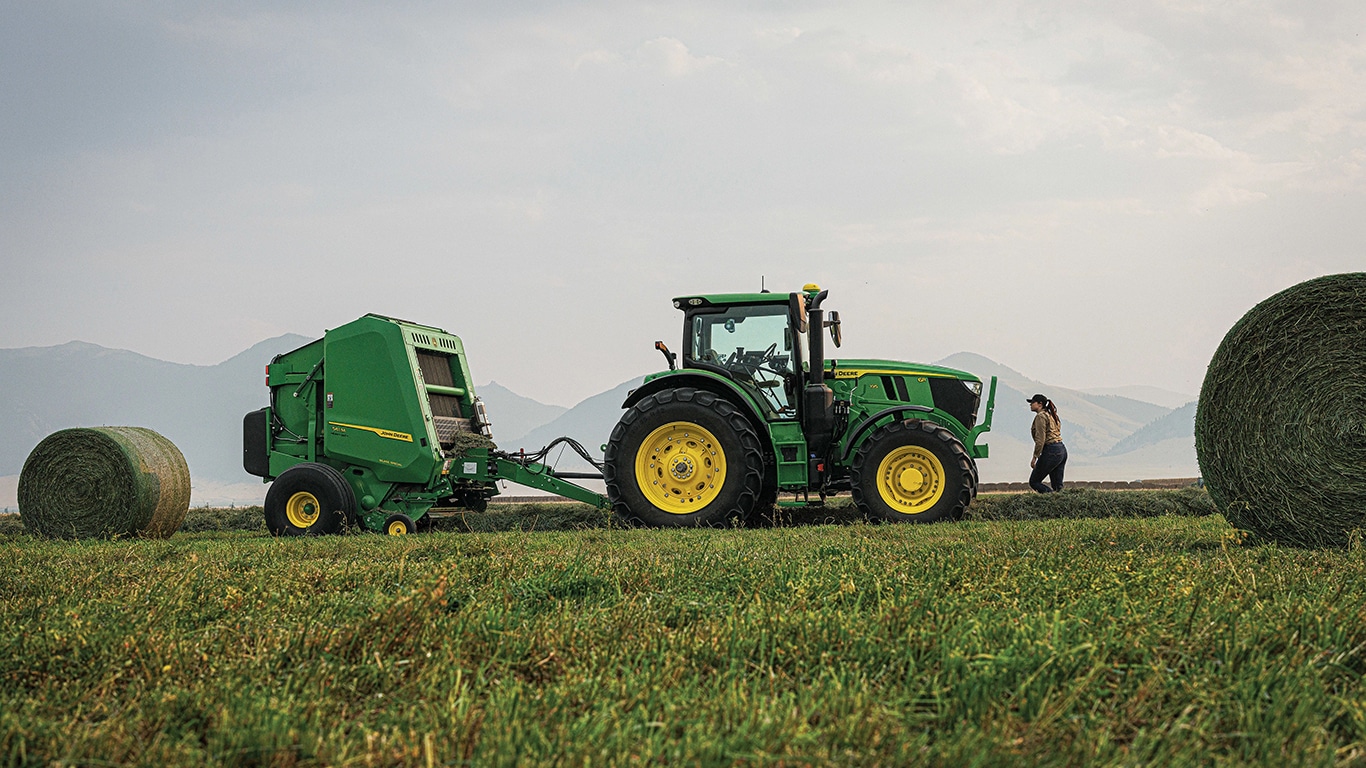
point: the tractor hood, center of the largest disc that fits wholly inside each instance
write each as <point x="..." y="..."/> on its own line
<point x="850" y="368"/>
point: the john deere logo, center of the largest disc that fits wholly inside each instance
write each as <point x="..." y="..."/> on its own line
<point x="387" y="433"/>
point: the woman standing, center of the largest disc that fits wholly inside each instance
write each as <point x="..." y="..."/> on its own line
<point x="1050" y="455"/>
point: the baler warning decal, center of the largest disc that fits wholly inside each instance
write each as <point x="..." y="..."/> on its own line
<point x="389" y="433"/>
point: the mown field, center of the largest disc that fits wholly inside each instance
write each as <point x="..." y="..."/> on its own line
<point x="1122" y="628"/>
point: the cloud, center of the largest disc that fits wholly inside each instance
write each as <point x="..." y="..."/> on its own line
<point x="575" y="165"/>
<point x="672" y="57"/>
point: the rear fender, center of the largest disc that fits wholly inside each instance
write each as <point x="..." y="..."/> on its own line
<point x="709" y="382"/>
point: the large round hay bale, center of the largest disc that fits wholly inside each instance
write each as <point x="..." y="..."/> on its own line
<point x="103" y="482"/>
<point x="1280" y="429"/>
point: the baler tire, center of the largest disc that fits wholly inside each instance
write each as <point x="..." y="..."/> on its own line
<point x="336" y="502"/>
<point x="918" y="444"/>
<point x="741" y="456"/>
<point x="398" y="524"/>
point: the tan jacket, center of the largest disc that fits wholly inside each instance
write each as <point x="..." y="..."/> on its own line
<point x="1045" y="431"/>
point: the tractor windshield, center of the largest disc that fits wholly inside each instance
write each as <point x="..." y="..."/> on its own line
<point x="754" y="343"/>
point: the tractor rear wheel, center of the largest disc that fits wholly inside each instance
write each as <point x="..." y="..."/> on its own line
<point x="681" y="458"/>
<point x="309" y="499"/>
<point x="913" y="471"/>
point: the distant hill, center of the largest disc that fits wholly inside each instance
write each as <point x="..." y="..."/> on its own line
<point x="199" y="408"/>
<point x="1092" y="424"/>
<point x="511" y="415"/>
<point x="1180" y="423"/>
<point x="1156" y="395"/>
<point x="589" y="422"/>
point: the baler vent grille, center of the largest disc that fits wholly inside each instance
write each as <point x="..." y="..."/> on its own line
<point x="436" y="369"/>
<point x="433" y="341"/>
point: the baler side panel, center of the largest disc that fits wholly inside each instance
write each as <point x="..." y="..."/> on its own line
<point x="370" y="411"/>
<point x="294" y="406"/>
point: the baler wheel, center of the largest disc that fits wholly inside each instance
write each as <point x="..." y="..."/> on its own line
<point x="302" y="509"/>
<point x="309" y="499"/>
<point x="399" y="524"/>
<point x="913" y="471"/>
<point x="681" y="458"/>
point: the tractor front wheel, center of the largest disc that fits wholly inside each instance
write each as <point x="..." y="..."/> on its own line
<point x="683" y="457"/>
<point x="309" y="499"/>
<point x="913" y="471"/>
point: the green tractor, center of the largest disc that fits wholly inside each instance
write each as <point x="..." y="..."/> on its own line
<point x="756" y="410"/>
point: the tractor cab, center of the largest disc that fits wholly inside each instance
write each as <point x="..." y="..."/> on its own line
<point x="760" y="341"/>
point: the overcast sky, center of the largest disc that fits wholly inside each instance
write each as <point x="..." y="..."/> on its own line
<point x="1091" y="193"/>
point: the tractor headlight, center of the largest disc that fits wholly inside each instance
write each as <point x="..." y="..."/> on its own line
<point x="975" y="387"/>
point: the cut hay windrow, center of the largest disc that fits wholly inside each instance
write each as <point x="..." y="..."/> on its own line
<point x="1280" y="429"/>
<point x="1090" y="503"/>
<point x="464" y="441"/>
<point x="103" y="482"/>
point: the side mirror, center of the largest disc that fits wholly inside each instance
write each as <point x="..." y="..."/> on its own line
<point x="669" y="356"/>
<point x="834" y="325"/>
<point x="796" y="311"/>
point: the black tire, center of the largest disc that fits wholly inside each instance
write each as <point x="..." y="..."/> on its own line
<point x="737" y="448"/>
<point x="766" y="513"/>
<point x="474" y="501"/>
<point x="976" y="481"/>
<point x="957" y="481"/>
<point x="398" y="524"/>
<point x="768" y="497"/>
<point x="287" y="502"/>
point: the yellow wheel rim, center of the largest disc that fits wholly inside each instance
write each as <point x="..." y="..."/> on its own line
<point x="396" y="528"/>
<point x="680" y="467"/>
<point x="302" y="509"/>
<point x="910" y="479"/>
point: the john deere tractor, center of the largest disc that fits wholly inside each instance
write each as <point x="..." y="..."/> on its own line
<point x="754" y="410"/>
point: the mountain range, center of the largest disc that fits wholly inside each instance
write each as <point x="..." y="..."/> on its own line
<point x="1115" y="434"/>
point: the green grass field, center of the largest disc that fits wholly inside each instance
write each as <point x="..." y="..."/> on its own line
<point x="1137" y="639"/>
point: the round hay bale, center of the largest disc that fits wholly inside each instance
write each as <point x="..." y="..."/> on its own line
<point x="102" y="482"/>
<point x="1280" y="428"/>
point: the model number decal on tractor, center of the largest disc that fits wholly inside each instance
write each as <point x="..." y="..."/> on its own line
<point x="389" y="433"/>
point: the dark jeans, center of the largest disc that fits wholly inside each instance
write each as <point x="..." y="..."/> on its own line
<point x="1050" y="464"/>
